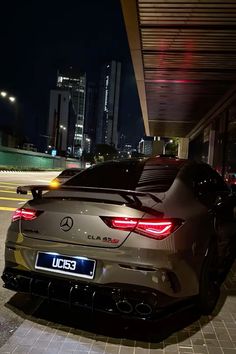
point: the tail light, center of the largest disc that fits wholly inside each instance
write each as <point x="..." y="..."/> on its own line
<point x="25" y="214"/>
<point x="153" y="228"/>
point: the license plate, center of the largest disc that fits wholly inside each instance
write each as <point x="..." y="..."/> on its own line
<point x="78" y="266"/>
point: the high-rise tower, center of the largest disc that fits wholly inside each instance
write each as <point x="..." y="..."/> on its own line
<point x="108" y="104"/>
<point x="66" y="113"/>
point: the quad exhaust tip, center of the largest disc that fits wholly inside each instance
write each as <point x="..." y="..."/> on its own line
<point x="143" y="309"/>
<point x="124" y="306"/>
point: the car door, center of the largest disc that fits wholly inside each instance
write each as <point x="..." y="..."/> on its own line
<point x="215" y="194"/>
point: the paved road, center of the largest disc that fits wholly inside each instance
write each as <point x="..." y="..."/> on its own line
<point x="9" y="201"/>
<point x="32" y="326"/>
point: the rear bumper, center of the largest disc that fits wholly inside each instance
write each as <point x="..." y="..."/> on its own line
<point x="163" y="271"/>
<point x="114" y="298"/>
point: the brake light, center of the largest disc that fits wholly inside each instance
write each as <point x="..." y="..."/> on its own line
<point x="25" y="214"/>
<point x="157" y="229"/>
<point x="123" y="223"/>
<point x="154" y="228"/>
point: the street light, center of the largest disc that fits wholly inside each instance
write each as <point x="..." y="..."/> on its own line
<point x="4" y="94"/>
<point x="9" y="98"/>
<point x="61" y="128"/>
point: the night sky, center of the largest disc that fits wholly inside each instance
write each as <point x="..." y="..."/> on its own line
<point x="39" y="37"/>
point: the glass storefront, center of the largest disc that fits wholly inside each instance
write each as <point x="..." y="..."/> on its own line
<point x="223" y="146"/>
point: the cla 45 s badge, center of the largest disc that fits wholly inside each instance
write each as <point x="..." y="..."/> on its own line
<point x="103" y="239"/>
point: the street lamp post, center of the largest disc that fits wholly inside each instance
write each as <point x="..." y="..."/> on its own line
<point x="12" y="100"/>
<point x="61" y="129"/>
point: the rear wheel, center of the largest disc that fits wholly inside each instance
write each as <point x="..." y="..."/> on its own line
<point x="209" y="289"/>
<point x="228" y="260"/>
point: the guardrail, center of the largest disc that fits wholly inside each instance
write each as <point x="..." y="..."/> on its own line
<point x="17" y="159"/>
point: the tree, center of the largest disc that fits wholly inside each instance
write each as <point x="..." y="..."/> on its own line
<point x="104" y="152"/>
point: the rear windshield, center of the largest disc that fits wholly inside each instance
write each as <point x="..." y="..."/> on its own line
<point x="130" y="175"/>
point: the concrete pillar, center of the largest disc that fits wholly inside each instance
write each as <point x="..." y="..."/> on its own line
<point x="183" y="148"/>
<point x="211" y="147"/>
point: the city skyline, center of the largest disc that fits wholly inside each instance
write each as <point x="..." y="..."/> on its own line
<point x="36" y="45"/>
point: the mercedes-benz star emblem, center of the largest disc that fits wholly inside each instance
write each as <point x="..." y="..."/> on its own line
<point x="66" y="223"/>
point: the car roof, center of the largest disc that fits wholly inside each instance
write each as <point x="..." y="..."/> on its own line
<point x="155" y="160"/>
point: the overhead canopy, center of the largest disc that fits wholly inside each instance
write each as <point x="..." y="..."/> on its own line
<point x="184" y="58"/>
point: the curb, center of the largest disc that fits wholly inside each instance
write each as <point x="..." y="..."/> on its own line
<point x="17" y="171"/>
<point x="5" y="171"/>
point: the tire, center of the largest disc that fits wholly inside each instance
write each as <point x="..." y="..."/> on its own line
<point x="209" y="288"/>
<point x="229" y="258"/>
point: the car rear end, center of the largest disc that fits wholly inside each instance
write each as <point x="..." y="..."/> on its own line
<point x="109" y="249"/>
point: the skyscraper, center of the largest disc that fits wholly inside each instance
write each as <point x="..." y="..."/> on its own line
<point x="90" y="115"/>
<point x="59" y="120"/>
<point x="66" y="113"/>
<point x="108" y="104"/>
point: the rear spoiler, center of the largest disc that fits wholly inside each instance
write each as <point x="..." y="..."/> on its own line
<point x="128" y="195"/>
<point x="36" y="190"/>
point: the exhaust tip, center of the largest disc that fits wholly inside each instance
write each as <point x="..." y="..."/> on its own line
<point x="143" y="309"/>
<point x="124" y="306"/>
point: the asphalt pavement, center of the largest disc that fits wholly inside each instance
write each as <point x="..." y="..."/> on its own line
<point x="30" y="325"/>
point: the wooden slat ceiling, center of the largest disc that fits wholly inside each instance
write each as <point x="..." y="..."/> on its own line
<point x="189" y="59"/>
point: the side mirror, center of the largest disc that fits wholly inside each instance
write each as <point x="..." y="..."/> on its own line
<point x="204" y="191"/>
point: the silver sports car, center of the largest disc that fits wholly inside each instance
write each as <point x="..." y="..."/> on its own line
<point x="134" y="237"/>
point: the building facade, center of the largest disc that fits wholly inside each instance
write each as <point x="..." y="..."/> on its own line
<point x="108" y="104"/>
<point x="145" y="146"/>
<point x="216" y="142"/>
<point x="90" y="117"/>
<point x="152" y="146"/>
<point x="66" y="114"/>
<point x="58" y="120"/>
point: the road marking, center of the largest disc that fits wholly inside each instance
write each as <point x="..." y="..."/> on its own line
<point x="20" y="199"/>
<point x="43" y="180"/>
<point x="13" y="184"/>
<point x="4" y="186"/>
<point x="7" y="209"/>
<point x="4" y="191"/>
